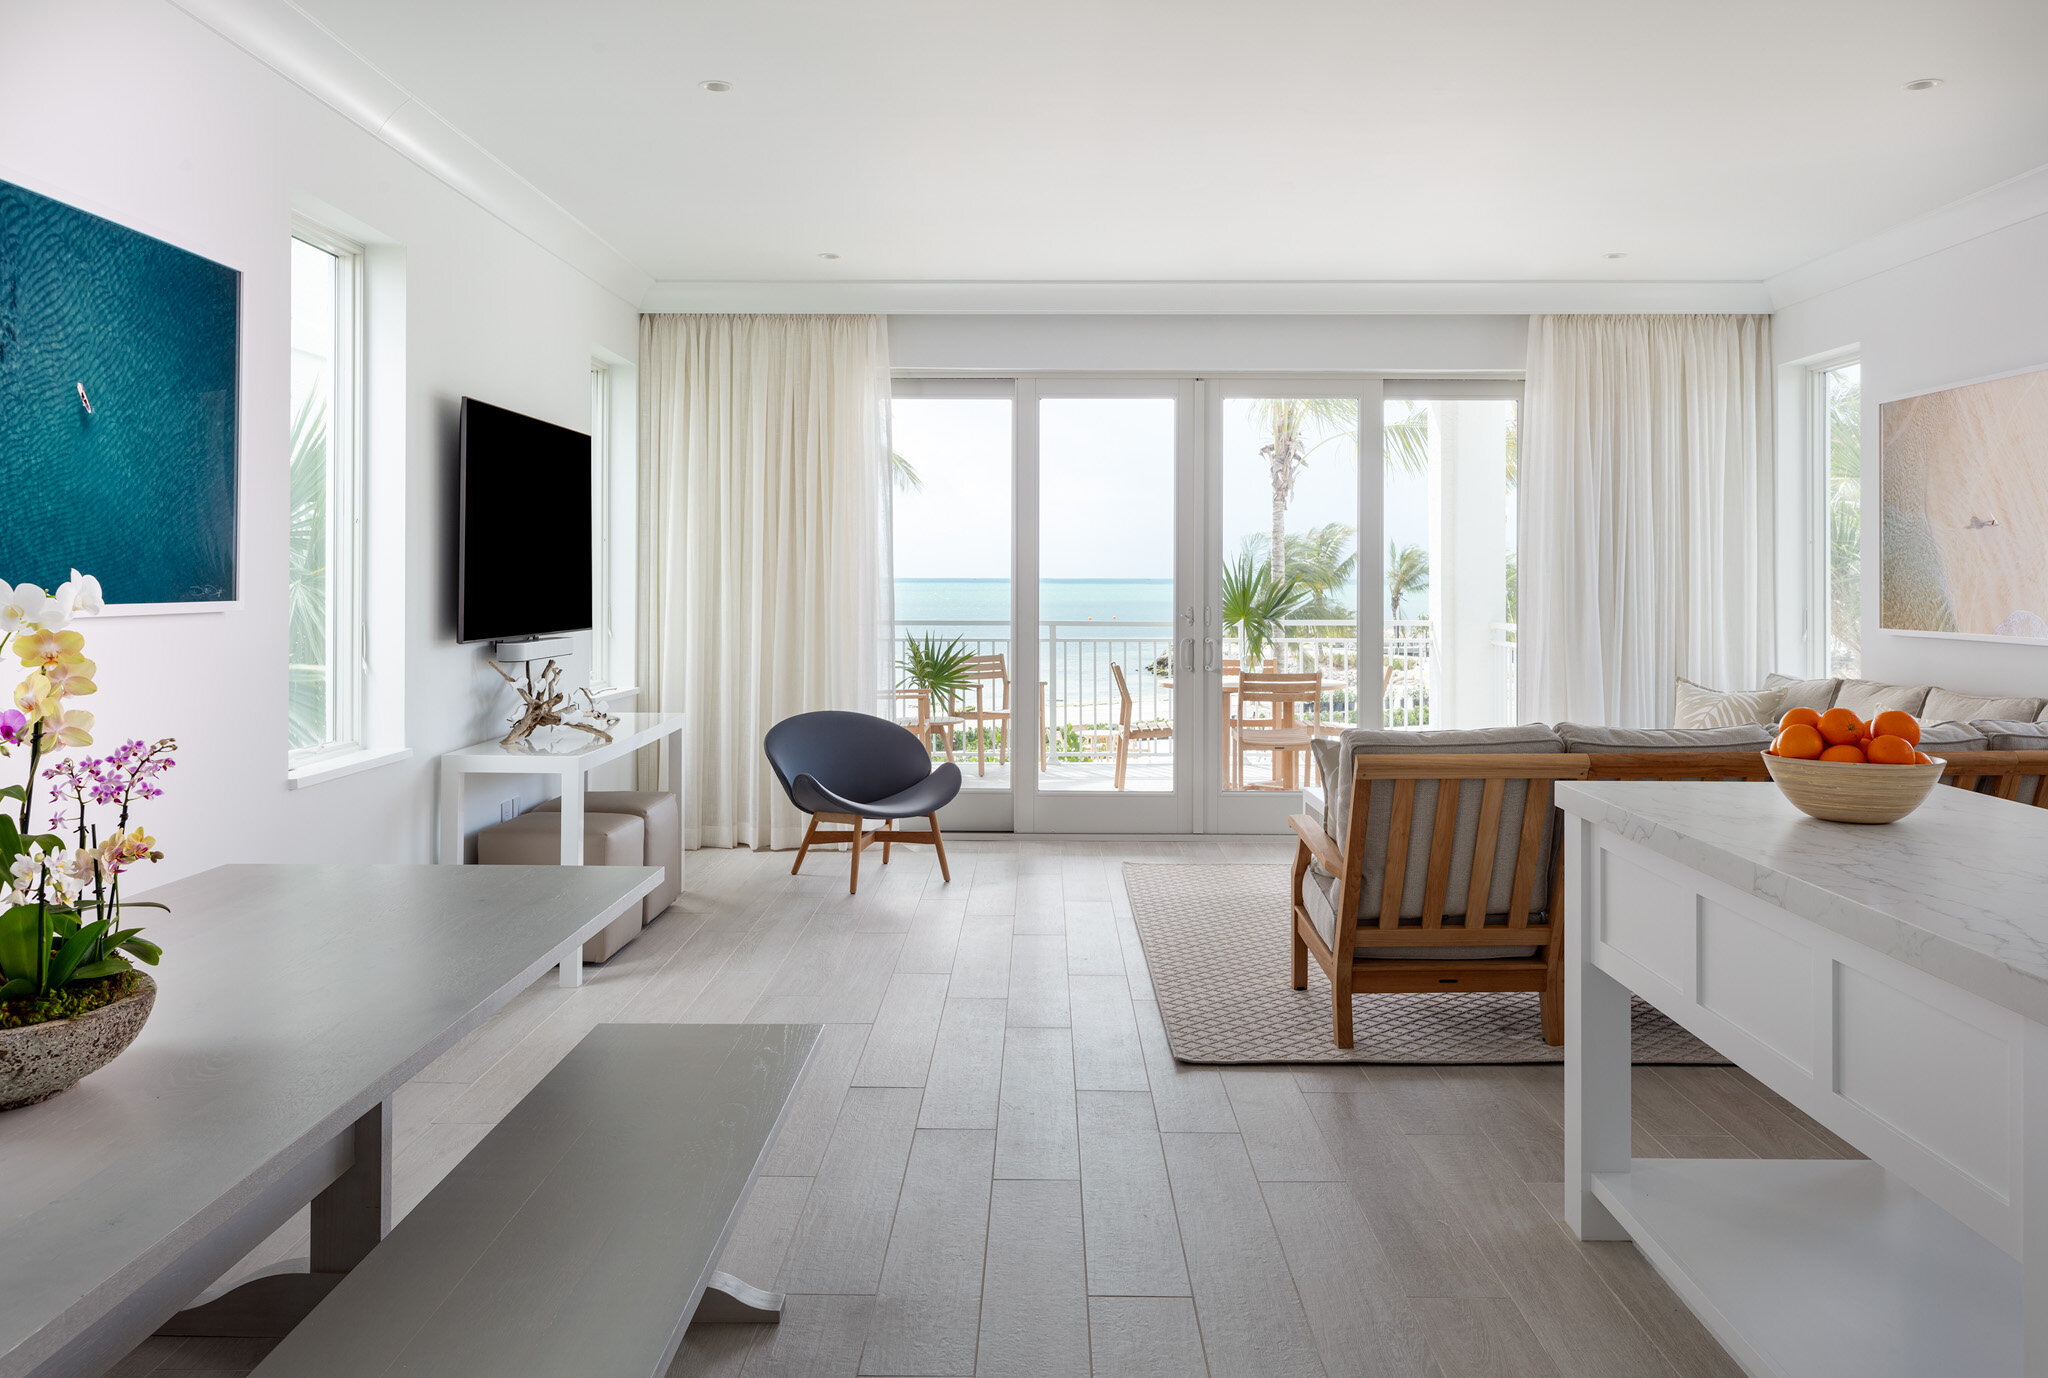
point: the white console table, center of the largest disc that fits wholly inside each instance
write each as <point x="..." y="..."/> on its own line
<point x="566" y="755"/>
<point x="1892" y="982"/>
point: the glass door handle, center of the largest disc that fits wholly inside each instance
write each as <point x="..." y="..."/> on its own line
<point x="1187" y="658"/>
<point x="1209" y="653"/>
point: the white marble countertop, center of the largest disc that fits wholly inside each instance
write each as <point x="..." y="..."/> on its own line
<point x="1957" y="888"/>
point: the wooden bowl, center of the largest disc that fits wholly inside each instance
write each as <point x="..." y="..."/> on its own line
<point x="1849" y="792"/>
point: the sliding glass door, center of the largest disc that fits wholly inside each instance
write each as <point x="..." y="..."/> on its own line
<point x="1135" y="604"/>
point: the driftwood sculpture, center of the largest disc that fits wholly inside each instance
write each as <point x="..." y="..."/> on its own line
<point x="548" y="706"/>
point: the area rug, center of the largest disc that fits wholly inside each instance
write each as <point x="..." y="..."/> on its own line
<point x="1216" y="943"/>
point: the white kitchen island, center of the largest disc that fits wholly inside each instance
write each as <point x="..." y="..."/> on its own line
<point x="1890" y="981"/>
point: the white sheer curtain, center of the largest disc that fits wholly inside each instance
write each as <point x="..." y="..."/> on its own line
<point x="1645" y="514"/>
<point x="765" y="553"/>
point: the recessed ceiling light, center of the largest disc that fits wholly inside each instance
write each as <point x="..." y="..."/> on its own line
<point x="1923" y="84"/>
<point x="1615" y="255"/>
<point x="828" y="255"/>
<point x="715" y="86"/>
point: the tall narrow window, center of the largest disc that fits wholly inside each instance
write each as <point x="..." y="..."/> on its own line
<point x="604" y="671"/>
<point x="1838" y="447"/>
<point x="325" y="632"/>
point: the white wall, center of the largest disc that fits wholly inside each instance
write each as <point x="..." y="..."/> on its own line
<point x="1973" y="311"/>
<point x="132" y="110"/>
<point x="1402" y="345"/>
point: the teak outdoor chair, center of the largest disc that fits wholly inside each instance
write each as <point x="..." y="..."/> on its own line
<point x="925" y="723"/>
<point x="849" y="767"/>
<point x="1280" y="731"/>
<point x="985" y="674"/>
<point x="1434" y="837"/>
<point x="1126" y="730"/>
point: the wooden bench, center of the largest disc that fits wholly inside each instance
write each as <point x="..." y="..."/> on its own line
<point x="580" y="1237"/>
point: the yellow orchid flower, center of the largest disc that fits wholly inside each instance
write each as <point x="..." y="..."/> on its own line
<point x="45" y="647"/>
<point x="72" y="679"/>
<point x="69" y="727"/>
<point x="36" y="696"/>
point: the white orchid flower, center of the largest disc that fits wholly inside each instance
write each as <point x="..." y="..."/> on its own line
<point x="23" y="608"/>
<point x="87" y="596"/>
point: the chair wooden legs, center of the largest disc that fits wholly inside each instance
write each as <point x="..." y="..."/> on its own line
<point x="860" y="839"/>
<point x="939" y="843"/>
<point x="1551" y="1002"/>
<point x="1123" y="756"/>
<point x="1340" y="1004"/>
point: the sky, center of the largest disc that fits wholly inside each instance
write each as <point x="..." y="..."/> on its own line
<point x="1107" y="479"/>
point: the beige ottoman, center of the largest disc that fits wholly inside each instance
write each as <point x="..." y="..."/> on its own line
<point x="535" y="839"/>
<point x="663" y="819"/>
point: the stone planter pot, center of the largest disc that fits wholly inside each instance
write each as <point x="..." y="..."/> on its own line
<point x="40" y="1060"/>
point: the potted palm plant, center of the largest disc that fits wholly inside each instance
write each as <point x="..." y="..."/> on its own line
<point x="1255" y="603"/>
<point x="71" y="998"/>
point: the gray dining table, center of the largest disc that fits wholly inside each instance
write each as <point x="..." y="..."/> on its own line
<point x="292" y="1002"/>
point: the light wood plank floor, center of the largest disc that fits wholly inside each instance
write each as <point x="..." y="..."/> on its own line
<point x="994" y="1167"/>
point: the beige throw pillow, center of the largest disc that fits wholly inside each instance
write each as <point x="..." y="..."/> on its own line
<point x="1701" y="707"/>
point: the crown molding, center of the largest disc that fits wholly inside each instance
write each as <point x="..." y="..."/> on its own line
<point x="2008" y="203"/>
<point x="1206" y="298"/>
<point x="306" y="53"/>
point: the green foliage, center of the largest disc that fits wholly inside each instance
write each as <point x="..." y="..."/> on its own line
<point x="1406" y="443"/>
<point x="1255" y="603"/>
<point x="1845" y="519"/>
<point x="1407" y="572"/>
<point x="306" y="577"/>
<point x="1322" y="561"/>
<point x="940" y="670"/>
<point x="905" y="473"/>
<point x="80" y="997"/>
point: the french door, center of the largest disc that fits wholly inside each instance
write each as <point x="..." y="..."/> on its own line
<point x="1166" y="588"/>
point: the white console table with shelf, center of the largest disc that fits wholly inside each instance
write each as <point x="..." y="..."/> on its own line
<point x="1890" y="981"/>
<point x="566" y="756"/>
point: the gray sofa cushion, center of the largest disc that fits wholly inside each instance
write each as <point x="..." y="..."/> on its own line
<point x="1868" y="697"/>
<point x="1945" y="705"/>
<point x="1947" y="738"/>
<point x="2016" y="736"/>
<point x="1817" y="694"/>
<point x="1584" y="739"/>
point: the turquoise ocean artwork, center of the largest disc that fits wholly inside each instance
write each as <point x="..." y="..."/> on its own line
<point x="117" y="406"/>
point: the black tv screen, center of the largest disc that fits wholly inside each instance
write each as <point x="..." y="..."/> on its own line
<point x="523" y="526"/>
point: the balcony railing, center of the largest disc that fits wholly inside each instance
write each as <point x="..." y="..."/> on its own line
<point x="1078" y="700"/>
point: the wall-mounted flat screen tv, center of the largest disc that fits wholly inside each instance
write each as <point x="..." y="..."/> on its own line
<point x="523" y="526"/>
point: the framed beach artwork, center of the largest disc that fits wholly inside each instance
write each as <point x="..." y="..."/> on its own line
<point x="118" y="357"/>
<point x="1963" y="486"/>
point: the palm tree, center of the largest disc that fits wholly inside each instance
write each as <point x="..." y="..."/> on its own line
<point x="1255" y="603"/>
<point x="905" y="473"/>
<point x="1407" y="572"/>
<point x="1284" y="420"/>
<point x="306" y="577"/>
<point x="1321" y="560"/>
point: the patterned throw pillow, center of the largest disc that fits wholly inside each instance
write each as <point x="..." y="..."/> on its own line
<point x="1701" y="707"/>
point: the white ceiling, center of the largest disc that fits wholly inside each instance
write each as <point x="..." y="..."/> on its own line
<point x="1204" y="140"/>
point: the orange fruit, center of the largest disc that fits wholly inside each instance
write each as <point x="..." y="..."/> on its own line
<point x="1890" y="751"/>
<point x="1799" y="715"/>
<point x="1896" y="722"/>
<point x="1801" y="742"/>
<point x="1840" y="727"/>
<point x="1921" y="758"/>
<point x="1845" y="752"/>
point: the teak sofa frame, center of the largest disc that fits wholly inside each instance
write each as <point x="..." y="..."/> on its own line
<point x="1544" y="971"/>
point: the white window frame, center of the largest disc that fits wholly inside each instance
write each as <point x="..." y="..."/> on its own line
<point x="346" y="463"/>
<point x="1820" y="572"/>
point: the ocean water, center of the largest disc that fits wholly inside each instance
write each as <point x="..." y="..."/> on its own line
<point x="117" y="406"/>
<point x="1093" y="606"/>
